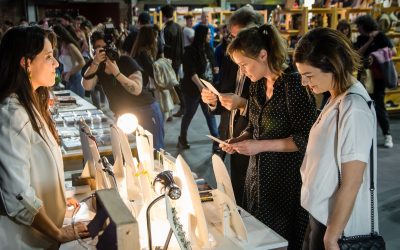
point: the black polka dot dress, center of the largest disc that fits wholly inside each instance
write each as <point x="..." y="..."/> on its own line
<point x="273" y="181"/>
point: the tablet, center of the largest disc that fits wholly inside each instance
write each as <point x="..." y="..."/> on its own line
<point x="218" y="140"/>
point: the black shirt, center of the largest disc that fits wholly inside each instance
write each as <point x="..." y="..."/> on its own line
<point x="195" y="62"/>
<point x="173" y="38"/>
<point x="121" y="101"/>
<point x="380" y="41"/>
<point x="145" y="61"/>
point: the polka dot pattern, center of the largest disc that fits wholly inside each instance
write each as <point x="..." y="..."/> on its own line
<point x="273" y="181"/>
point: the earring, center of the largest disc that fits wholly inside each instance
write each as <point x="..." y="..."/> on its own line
<point x="29" y="76"/>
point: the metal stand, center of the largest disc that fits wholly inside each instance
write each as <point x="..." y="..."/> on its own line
<point x="149" y="224"/>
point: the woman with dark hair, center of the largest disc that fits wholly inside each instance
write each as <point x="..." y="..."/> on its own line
<point x="71" y="58"/>
<point x="32" y="204"/>
<point x="281" y="113"/>
<point x="144" y="51"/>
<point x="198" y="62"/>
<point x="369" y="41"/>
<point x="336" y="166"/>
<point x="344" y="27"/>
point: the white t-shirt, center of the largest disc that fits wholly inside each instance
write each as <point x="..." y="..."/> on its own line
<point x="319" y="171"/>
<point x="188" y="35"/>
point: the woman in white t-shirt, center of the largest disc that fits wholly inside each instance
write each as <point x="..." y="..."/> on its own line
<point x="326" y="60"/>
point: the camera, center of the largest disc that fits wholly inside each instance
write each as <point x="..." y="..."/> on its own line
<point x="110" y="49"/>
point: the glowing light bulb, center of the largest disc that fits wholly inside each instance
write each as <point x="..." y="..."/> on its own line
<point x="127" y="123"/>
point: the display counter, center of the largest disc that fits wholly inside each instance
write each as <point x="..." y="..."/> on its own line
<point x="260" y="237"/>
<point x="68" y="109"/>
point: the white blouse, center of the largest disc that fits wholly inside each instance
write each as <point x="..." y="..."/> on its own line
<point x="319" y="171"/>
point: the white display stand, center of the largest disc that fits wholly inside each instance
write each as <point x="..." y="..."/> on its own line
<point x="215" y="224"/>
<point x="93" y="166"/>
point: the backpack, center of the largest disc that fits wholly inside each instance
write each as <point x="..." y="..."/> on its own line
<point x="164" y="74"/>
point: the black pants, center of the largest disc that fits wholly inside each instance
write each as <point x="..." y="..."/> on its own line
<point x="314" y="237"/>
<point x="381" y="113"/>
<point x="179" y="90"/>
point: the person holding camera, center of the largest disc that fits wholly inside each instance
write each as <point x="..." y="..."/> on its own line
<point x="121" y="79"/>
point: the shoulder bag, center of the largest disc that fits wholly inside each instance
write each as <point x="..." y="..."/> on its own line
<point x="372" y="241"/>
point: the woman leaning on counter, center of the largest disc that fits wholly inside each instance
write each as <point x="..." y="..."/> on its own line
<point x="32" y="204"/>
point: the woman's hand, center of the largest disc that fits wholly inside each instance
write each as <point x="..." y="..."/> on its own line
<point x="330" y="241"/>
<point x="67" y="233"/>
<point x="247" y="147"/>
<point x="229" y="148"/>
<point x="231" y="101"/>
<point x="72" y="202"/>
<point x="209" y="97"/>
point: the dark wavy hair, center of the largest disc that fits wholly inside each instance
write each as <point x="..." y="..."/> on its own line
<point x="25" y="43"/>
<point x="330" y="51"/>
<point x="249" y="42"/>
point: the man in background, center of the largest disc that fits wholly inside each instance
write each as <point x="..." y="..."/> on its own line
<point x="233" y="106"/>
<point x="188" y="31"/>
<point x="172" y="35"/>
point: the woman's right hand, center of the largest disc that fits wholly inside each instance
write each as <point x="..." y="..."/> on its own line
<point x="67" y="234"/>
<point x="209" y="97"/>
<point x="228" y="147"/>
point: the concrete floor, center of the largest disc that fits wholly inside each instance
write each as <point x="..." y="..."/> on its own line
<point x="199" y="159"/>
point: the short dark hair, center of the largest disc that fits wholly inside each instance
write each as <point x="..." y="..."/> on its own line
<point x="245" y="16"/>
<point x="367" y="23"/>
<point x="188" y="16"/>
<point x="330" y="51"/>
<point x="97" y="35"/>
<point x="168" y="11"/>
<point x="67" y="17"/>
<point x="144" y="18"/>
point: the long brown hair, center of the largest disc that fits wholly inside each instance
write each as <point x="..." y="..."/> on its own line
<point x="18" y="43"/>
<point x="145" y="42"/>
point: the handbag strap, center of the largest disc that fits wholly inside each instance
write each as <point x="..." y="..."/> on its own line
<point x="371" y="157"/>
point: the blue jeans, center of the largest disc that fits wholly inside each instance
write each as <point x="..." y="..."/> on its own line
<point x="191" y="105"/>
<point x="75" y="84"/>
<point x="152" y="120"/>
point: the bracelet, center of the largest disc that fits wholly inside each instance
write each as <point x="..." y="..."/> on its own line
<point x="95" y="64"/>
<point x="119" y="73"/>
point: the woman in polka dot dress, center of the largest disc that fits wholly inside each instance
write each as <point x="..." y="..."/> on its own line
<point x="281" y="113"/>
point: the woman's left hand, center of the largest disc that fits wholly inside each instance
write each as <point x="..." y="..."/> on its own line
<point x="73" y="202"/>
<point x="331" y="241"/>
<point x="247" y="147"/>
<point x="230" y="101"/>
